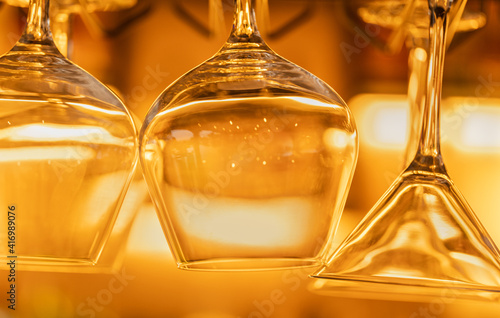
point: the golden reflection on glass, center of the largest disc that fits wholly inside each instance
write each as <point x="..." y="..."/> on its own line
<point x="67" y="152"/>
<point x="403" y="19"/>
<point x="248" y="158"/>
<point x="421" y="238"/>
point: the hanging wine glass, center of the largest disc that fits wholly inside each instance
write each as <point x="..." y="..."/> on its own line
<point x="67" y="152"/>
<point x="421" y="238"/>
<point x="395" y="19"/>
<point x="248" y="158"/>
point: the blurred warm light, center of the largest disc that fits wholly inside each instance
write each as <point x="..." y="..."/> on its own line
<point x="46" y="153"/>
<point x="56" y="132"/>
<point x="384" y="119"/>
<point x="471" y="21"/>
<point x="420" y="54"/>
<point x="146" y="235"/>
<point x="259" y="224"/>
<point x="336" y="138"/>
<point x="390" y="126"/>
<point x="470" y="124"/>
<point x="482" y="130"/>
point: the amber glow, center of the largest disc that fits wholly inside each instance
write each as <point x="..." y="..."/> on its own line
<point x="41" y="153"/>
<point x="57" y="132"/>
<point x="476" y="123"/>
<point x="469" y="124"/>
<point x="258" y="224"/>
<point x="384" y="119"/>
<point x="336" y="138"/>
<point x="165" y="44"/>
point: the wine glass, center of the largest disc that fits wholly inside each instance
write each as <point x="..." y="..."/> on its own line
<point x="67" y="153"/>
<point x="421" y="238"/>
<point x="396" y="19"/>
<point x="248" y="158"/>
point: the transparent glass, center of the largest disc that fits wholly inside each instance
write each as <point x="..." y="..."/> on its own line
<point x="462" y="20"/>
<point x="248" y="158"/>
<point x="68" y="151"/>
<point x="421" y="238"/>
<point x="75" y="6"/>
<point x="403" y="22"/>
<point x="400" y="18"/>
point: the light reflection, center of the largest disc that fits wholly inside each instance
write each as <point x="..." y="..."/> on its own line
<point x="182" y="134"/>
<point x="97" y="109"/>
<point x="313" y="102"/>
<point x="335" y="138"/>
<point x="56" y="132"/>
<point x="264" y="224"/>
<point x="46" y="153"/>
<point x="445" y="231"/>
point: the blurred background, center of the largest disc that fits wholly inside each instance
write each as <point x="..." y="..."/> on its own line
<point x="139" y="47"/>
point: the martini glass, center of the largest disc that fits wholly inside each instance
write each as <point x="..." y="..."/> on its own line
<point x="248" y="158"/>
<point x="68" y="153"/>
<point x="421" y="239"/>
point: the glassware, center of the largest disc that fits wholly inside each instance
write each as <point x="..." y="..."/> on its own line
<point x="248" y="158"/>
<point x="400" y="22"/>
<point x="421" y="238"/>
<point x="76" y="5"/>
<point x="398" y="18"/>
<point x="67" y="153"/>
<point x="462" y="21"/>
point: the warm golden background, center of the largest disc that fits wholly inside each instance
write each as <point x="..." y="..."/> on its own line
<point x="140" y="50"/>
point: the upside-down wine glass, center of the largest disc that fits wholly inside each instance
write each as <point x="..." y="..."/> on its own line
<point x="248" y="158"/>
<point x="67" y="153"/>
<point x="421" y="239"/>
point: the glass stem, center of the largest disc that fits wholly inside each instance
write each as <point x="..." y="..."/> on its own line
<point x="37" y="27"/>
<point x="428" y="155"/>
<point x="244" y="25"/>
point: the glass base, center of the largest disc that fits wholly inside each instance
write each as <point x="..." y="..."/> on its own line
<point x="250" y="264"/>
<point x="407" y="290"/>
